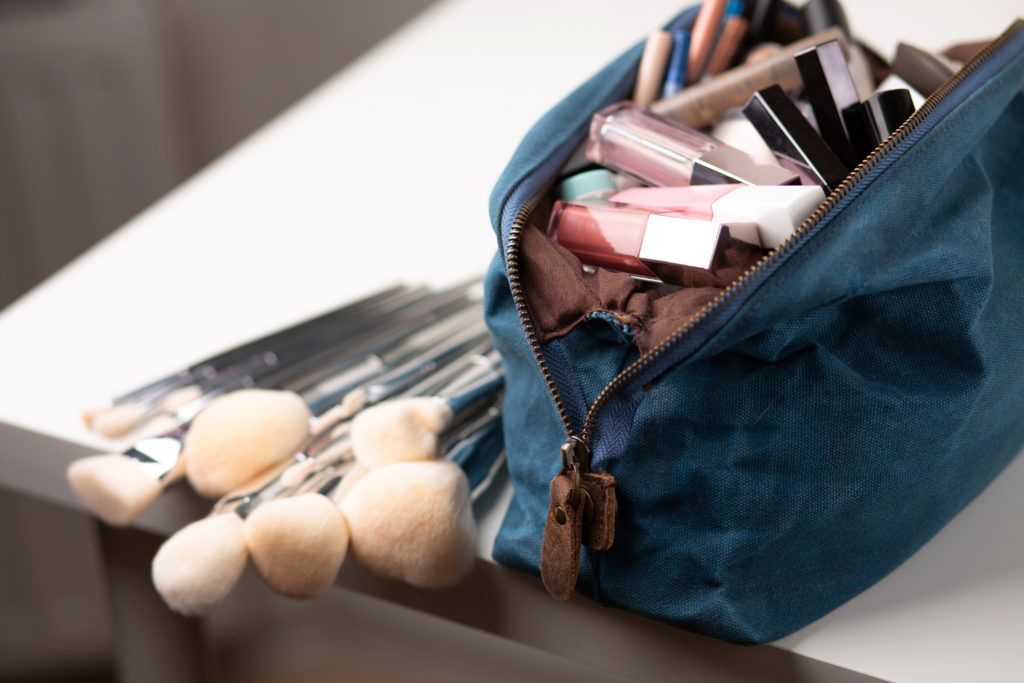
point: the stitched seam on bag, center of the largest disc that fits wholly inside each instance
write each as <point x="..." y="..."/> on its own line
<point x="823" y="240"/>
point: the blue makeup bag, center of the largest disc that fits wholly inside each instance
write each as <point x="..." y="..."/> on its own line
<point x="780" y="445"/>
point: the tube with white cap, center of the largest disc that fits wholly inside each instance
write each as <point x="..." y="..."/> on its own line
<point x="776" y="211"/>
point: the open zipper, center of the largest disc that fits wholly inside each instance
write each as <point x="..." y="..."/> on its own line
<point x="576" y="451"/>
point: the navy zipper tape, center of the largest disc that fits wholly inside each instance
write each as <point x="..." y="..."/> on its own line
<point x="564" y="377"/>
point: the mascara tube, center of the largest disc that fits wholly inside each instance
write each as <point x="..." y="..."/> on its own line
<point x="657" y="151"/>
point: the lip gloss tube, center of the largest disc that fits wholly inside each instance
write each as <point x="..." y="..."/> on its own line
<point x="629" y="139"/>
<point x="774" y="211"/>
<point x="637" y="241"/>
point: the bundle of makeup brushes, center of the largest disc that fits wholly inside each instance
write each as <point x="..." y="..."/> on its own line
<point x="366" y="430"/>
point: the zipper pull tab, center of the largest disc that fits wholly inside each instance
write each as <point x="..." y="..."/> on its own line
<point x="581" y="512"/>
<point x="563" y="530"/>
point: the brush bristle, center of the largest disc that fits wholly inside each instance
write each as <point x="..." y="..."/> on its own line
<point x="399" y="430"/>
<point x="335" y="414"/>
<point x="241" y="436"/>
<point x="113" y="486"/>
<point x="89" y="414"/>
<point x="353" y="401"/>
<point x="352" y="476"/>
<point x="412" y="521"/>
<point x="118" y="420"/>
<point x="196" y="568"/>
<point x="297" y="544"/>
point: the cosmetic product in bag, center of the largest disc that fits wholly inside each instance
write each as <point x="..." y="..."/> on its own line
<point x="651" y="71"/>
<point x="776" y="211"/>
<point x="702" y="103"/>
<point x="657" y="151"/>
<point x="873" y="120"/>
<point x="668" y="246"/>
<point x="595" y="185"/>
<point x="792" y="139"/>
<point x="734" y="28"/>
<point x="829" y="88"/>
<point x="675" y="75"/>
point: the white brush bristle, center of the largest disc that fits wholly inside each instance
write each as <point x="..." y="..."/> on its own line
<point x="196" y="568"/>
<point x="241" y="436"/>
<point x="297" y="544"/>
<point x="118" y="420"/>
<point x="113" y="486"/>
<point x="412" y="521"/>
<point x="399" y="430"/>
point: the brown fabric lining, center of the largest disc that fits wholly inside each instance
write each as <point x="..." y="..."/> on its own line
<point x="560" y="295"/>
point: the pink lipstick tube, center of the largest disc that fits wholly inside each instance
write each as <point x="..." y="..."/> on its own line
<point x="775" y="212"/>
<point x="637" y="241"/>
<point x="657" y="151"/>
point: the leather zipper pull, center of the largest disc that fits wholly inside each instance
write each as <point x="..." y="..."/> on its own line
<point x="581" y="512"/>
<point x="599" y="509"/>
<point x="560" y="549"/>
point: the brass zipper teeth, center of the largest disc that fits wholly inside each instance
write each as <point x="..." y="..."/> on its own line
<point x="831" y="201"/>
<point x="516" y="286"/>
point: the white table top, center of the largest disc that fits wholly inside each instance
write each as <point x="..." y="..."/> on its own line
<point x="383" y="174"/>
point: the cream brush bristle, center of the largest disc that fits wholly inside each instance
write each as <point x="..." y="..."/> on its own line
<point x="302" y="564"/>
<point x="319" y="538"/>
<point x="196" y="568"/>
<point x="117" y="487"/>
<point x="410" y="428"/>
<point x="297" y="543"/>
<point x="412" y="521"/>
<point x="242" y="435"/>
<point x="118" y="420"/>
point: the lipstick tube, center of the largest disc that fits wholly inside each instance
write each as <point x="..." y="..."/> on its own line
<point x="657" y="151"/>
<point x="774" y="212"/>
<point x="829" y="87"/>
<point x="793" y="139"/>
<point x="658" y="246"/>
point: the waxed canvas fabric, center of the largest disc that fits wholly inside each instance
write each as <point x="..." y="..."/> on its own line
<point x="830" y="423"/>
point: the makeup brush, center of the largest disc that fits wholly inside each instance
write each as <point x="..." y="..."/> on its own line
<point x="125" y="412"/>
<point x="242" y="435"/>
<point x="413" y="521"/>
<point x="118" y="487"/>
<point x="408" y="428"/>
<point x="197" y="566"/>
<point x="237" y="440"/>
<point x="186" y="592"/>
<point x="298" y="543"/>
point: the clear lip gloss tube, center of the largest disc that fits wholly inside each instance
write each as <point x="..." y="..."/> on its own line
<point x="629" y="139"/>
<point x="637" y="241"/>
